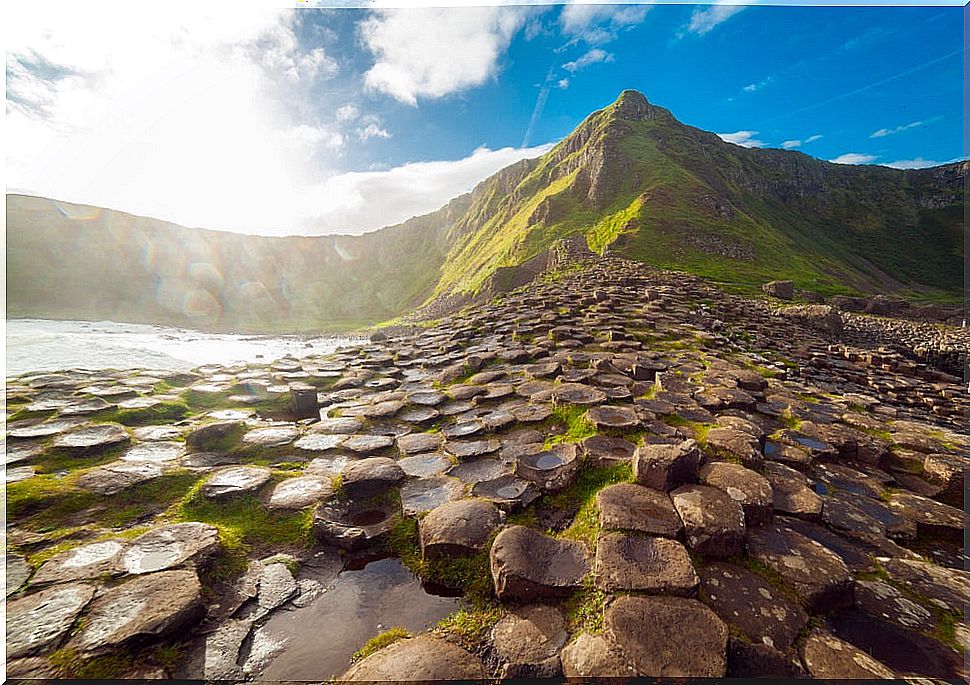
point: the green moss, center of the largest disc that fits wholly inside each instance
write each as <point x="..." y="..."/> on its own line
<point x="581" y="495"/>
<point x="164" y="412"/>
<point x="572" y="419"/>
<point x="69" y="664"/>
<point x="378" y="642"/>
<point x="584" y="610"/>
<point x="790" y="420"/>
<point x="470" y="624"/>
<point x="167" y="656"/>
<point x="25" y="414"/>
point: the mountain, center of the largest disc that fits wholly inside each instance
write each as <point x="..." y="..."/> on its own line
<point x="631" y="180"/>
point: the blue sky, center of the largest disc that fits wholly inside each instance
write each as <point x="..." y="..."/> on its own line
<point x="261" y="119"/>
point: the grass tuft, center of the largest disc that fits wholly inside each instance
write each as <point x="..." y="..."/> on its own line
<point x="378" y="642"/>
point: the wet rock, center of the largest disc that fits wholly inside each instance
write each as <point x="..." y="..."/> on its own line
<point x="626" y="506"/>
<point x="526" y="642"/>
<point x="87" y="561"/>
<point x="755" y="607"/>
<point x="300" y="492"/>
<point x="235" y="480"/>
<point x="527" y="565"/>
<point x="117" y="476"/>
<point x="620" y="418"/>
<point x="147" y="607"/>
<point x="423" y="658"/>
<point x="221" y="650"/>
<point x="817" y="574"/>
<point x="508" y="492"/>
<point x="746" y="487"/>
<point x="551" y="469"/>
<point x="215" y="436"/>
<point x="40" y="620"/>
<point x="668" y="636"/>
<point x="276" y="586"/>
<point x="791" y="494"/>
<point x="94" y="438"/>
<point x="941" y="586"/>
<point x="354" y="525"/>
<point x="654" y="565"/>
<point x="369" y="477"/>
<point x="826" y="656"/>
<point x="885" y="601"/>
<point x="170" y="546"/>
<point x="932" y="518"/>
<point x="424" y="494"/>
<point x="747" y="660"/>
<point x="458" y="528"/>
<point x="713" y="522"/>
<point x="18" y="571"/>
<point x="607" y="450"/>
<point x="665" y="467"/>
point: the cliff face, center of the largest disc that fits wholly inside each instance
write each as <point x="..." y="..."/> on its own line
<point x="630" y="179"/>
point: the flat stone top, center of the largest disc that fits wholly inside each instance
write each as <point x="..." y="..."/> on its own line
<point x="170" y="546"/>
<point x="626" y="506"/>
<point x="423" y="658"/>
<point x="523" y="552"/>
<point x="90" y="437"/>
<point x="38" y="620"/>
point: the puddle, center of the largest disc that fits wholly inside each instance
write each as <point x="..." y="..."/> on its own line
<point x="771" y="448"/>
<point x="548" y="461"/>
<point x="810" y="443"/>
<point x="319" y="639"/>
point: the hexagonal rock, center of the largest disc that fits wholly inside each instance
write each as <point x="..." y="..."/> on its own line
<point x="147" y="607"/>
<point x="158" y="451"/>
<point x="731" y="442"/>
<point x="463" y="449"/>
<point x="372" y="476"/>
<point x="458" y="528"/>
<point x="271" y="436"/>
<point x="87" y="561"/>
<point x="157" y="433"/>
<point x="551" y="469"/>
<point x="826" y="656"/>
<point x="235" y="480"/>
<point x="713" y="522"/>
<point x="363" y="444"/>
<point x="665" y="467"/>
<point x="633" y="562"/>
<point x="342" y="425"/>
<point x="421" y="495"/>
<point x="94" y="438"/>
<point x="170" y="546"/>
<point x="43" y="429"/>
<point x="117" y="476"/>
<point x="416" y="443"/>
<point x="526" y="642"/>
<point x="527" y="565"/>
<point x="215" y="435"/>
<point x="754" y="606"/>
<point x="299" y="492"/>
<point x="945" y="587"/>
<point x="791" y="494"/>
<point x="668" y="636"/>
<point x="594" y="656"/>
<point x="571" y="393"/>
<point x="746" y="487"/>
<point x="626" y="506"/>
<point x="423" y="658"/>
<point x="816" y="573"/>
<point x="613" y="417"/>
<point x="319" y="442"/>
<point x="41" y="619"/>
<point x="885" y="601"/>
<point x="858" y="515"/>
<point x="947" y="470"/>
<point x="607" y="450"/>
<point x="931" y="517"/>
<point x="507" y="491"/>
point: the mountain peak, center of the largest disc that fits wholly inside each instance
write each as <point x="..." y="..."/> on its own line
<point x="632" y="105"/>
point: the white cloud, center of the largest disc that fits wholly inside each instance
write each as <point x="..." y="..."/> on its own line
<point x="883" y="132"/>
<point x="347" y="113"/>
<point x="755" y="87"/>
<point x="563" y="83"/>
<point x="594" y="56"/>
<point x="917" y="163"/>
<point x="599" y="23"/>
<point x="371" y="128"/>
<point x="742" y="138"/>
<point x="356" y="202"/>
<point x="792" y="144"/>
<point x="705" y="20"/>
<point x="854" y="158"/>
<point x="433" y="52"/>
<point x="813" y="138"/>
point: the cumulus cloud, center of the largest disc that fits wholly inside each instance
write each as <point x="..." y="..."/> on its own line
<point x="462" y="51"/>
<point x="742" y="138"/>
<point x="563" y="83"/>
<point x="594" y="56"/>
<point x="854" y="158"/>
<point x="347" y="112"/>
<point x="883" y="132"/>
<point x="792" y="144"/>
<point x="371" y="128"/>
<point x="357" y="202"/>
<point x="706" y="19"/>
<point x="599" y="23"/>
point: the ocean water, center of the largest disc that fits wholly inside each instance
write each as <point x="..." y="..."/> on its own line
<point x="42" y="345"/>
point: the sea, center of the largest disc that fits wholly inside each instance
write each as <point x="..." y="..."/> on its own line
<point x="44" y="345"/>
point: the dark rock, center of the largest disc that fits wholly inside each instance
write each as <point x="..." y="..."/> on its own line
<point x="713" y="522"/>
<point x="424" y="494"/>
<point x="594" y="656"/>
<point x="369" y="477"/>
<point x="607" y="450"/>
<point x="783" y="290"/>
<point x="826" y="656"/>
<point x="458" y="528"/>
<point x="665" y="467"/>
<point x="527" y="565"/>
<point x="747" y="660"/>
<point x="526" y="642"/>
<point x="654" y="565"/>
<point x="420" y="659"/>
<point x="943" y="587"/>
<point x="746" y="487"/>
<point x="626" y="506"/>
<point x="791" y="494"/>
<point x="932" y="518"/>
<point x="354" y="525"/>
<point x="214" y="436"/>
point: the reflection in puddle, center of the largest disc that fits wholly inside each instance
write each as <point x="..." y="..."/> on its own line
<point x="320" y="639"/>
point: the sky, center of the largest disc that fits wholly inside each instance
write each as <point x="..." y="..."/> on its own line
<point x="301" y="119"/>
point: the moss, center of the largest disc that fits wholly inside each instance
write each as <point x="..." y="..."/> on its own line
<point x="60" y="460"/>
<point x="581" y="495"/>
<point x="68" y="663"/>
<point x="25" y="414"/>
<point x="790" y="420"/>
<point x="576" y="427"/>
<point x="470" y="625"/>
<point x="378" y="642"/>
<point x="584" y="610"/>
<point x="167" y="656"/>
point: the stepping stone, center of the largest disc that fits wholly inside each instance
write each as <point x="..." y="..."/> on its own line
<point x="475" y="471"/>
<point x="944" y="587"/>
<point x="319" y="442"/>
<point x="276" y="586"/>
<point x="607" y="450"/>
<point x="932" y="518"/>
<point x="170" y="546"/>
<point x="81" y="563"/>
<point x="18" y="571"/>
<point x="300" y="492"/>
<point x="364" y="444"/>
<point x="232" y="481"/>
<point x="665" y="467"/>
<point x="621" y="418"/>
<point x="463" y="449"/>
<point x="817" y="574"/>
<point x="826" y="656"/>
<point x="881" y="599"/>
<point x="625" y="506"/>
<point x="154" y="452"/>
<point x="343" y="425"/>
<point x="733" y="444"/>
<point x="551" y="469"/>
<point x="458" y="528"/>
<point x="508" y="492"/>
<point x="215" y="436"/>
<point x="423" y="465"/>
<point x="117" y="476"/>
<point x="366" y="478"/>
<point x="382" y="409"/>
<point x="532" y="413"/>
<point x="147" y="607"/>
<point x="40" y="620"/>
<point x="855" y="556"/>
<point x="157" y="433"/>
<point x="755" y="607"/>
<point x="418" y="414"/>
<point x="790" y="493"/>
<point x="89" y="406"/>
<point x="355" y="525"/>
<point x="424" y="494"/>
<point x="207" y="460"/>
<point x="713" y="522"/>
<point x="790" y="455"/>
<point x="19" y="473"/>
<point x="859" y="516"/>
<point x="746" y="487"/>
<point x="423" y="658"/>
<point x="526" y="642"/>
<point x="653" y="565"/>
<point x="271" y="436"/>
<point x="94" y="438"/>
<point x="328" y="467"/>
<point x="594" y="656"/>
<point x="668" y="636"/>
<point x="527" y="565"/>
<point x="20" y="451"/>
<point x="948" y="470"/>
<point x="44" y="429"/>
<point x="416" y="443"/>
<point x="429" y="398"/>
<point x="462" y="430"/>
